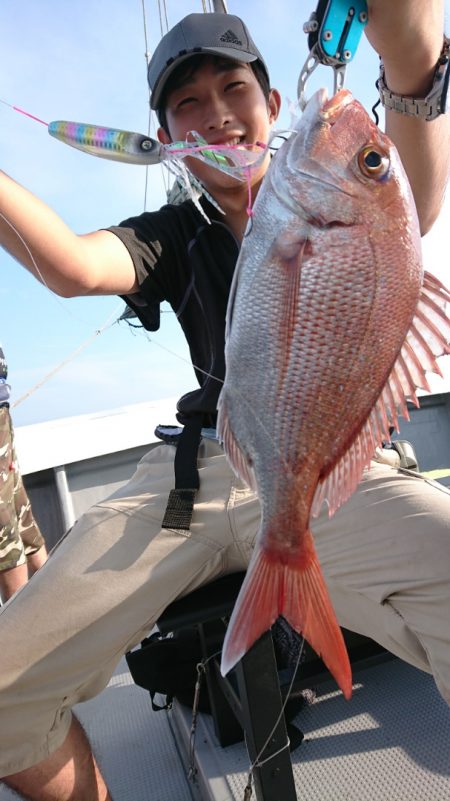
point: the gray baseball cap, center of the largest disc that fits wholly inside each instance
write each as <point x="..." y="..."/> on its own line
<point x="216" y="34"/>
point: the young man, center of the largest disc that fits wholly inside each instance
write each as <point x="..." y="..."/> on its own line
<point x="22" y="546"/>
<point x="122" y="564"/>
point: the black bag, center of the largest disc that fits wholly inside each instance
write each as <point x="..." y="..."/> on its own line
<point x="168" y="665"/>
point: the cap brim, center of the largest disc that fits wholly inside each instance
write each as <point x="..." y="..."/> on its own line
<point x="224" y="52"/>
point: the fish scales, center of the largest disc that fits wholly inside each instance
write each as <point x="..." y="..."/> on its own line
<point x="327" y="311"/>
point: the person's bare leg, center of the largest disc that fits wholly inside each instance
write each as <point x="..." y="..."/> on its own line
<point x="36" y="560"/>
<point x="12" y="579"/>
<point x="69" y="774"/>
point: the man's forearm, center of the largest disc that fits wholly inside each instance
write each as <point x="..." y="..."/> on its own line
<point x="97" y="263"/>
<point x="34" y="235"/>
<point x="423" y="149"/>
<point x="408" y="35"/>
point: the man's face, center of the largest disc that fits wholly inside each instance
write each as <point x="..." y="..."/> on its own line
<point x="224" y="103"/>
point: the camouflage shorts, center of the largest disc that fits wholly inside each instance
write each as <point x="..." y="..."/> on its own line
<point x="19" y="532"/>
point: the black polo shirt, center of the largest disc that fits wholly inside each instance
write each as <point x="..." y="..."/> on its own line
<point x="181" y="258"/>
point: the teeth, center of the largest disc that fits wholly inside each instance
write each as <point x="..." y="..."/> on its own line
<point x="232" y="142"/>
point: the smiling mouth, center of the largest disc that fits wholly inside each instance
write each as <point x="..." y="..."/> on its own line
<point x="234" y="156"/>
<point x="235" y="142"/>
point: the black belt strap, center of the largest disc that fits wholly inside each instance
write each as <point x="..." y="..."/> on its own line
<point x="180" y="504"/>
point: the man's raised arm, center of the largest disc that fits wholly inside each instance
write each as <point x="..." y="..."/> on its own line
<point x="408" y="36"/>
<point x="69" y="264"/>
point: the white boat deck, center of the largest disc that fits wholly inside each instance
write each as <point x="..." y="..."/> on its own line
<point x="389" y="743"/>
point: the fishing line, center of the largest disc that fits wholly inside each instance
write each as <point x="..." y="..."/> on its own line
<point x="162" y="8"/>
<point x="181" y="358"/>
<point x="34" y="263"/>
<point x="22" y="111"/>
<point x="107" y="324"/>
<point x="151" y="125"/>
<point x="201" y="672"/>
<point x="68" y="359"/>
<point x="41" y="277"/>
<point x="235" y="160"/>
<point x="39" y="274"/>
<point x="238" y="164"/>
<point x="147" y="61"/>
<point x="258" y="762"/>
<point x="83" y="345"/>
<point x="90" y="339"/>
<point x="207" y="374"/>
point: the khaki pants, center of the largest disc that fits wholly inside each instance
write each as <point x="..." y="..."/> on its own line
<point x="385" y="554"/>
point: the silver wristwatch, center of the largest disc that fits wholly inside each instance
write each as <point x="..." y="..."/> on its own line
<point x="429" y="107"/>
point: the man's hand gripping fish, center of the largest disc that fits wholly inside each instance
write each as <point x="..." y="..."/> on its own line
<point x="331" y="326"/>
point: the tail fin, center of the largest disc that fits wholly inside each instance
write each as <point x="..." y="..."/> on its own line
<point x="297" y="592"/>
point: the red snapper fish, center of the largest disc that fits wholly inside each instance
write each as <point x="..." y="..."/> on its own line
<point x="331" y="326"/>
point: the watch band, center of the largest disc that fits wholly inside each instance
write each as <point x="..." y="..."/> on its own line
<point x="426" y="108"/>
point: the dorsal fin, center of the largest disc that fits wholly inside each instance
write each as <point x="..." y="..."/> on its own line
<point x="427" y="338"/>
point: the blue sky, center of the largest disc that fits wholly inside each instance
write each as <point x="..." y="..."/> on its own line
<point x="85" y="61"/>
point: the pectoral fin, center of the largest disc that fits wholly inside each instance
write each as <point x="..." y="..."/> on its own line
<point x="236" y="456"/>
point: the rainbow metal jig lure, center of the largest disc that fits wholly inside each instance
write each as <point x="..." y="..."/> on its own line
<point x="135" y="148"/>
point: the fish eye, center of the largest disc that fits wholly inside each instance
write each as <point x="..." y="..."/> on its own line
<point x="372" y="162"/>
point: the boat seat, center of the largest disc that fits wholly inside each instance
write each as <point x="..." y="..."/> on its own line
<point x="249" y="699"/>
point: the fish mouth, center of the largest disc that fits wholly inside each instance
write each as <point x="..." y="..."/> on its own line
<point x="323" y="109"/>
<point x="331" y="108"/>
